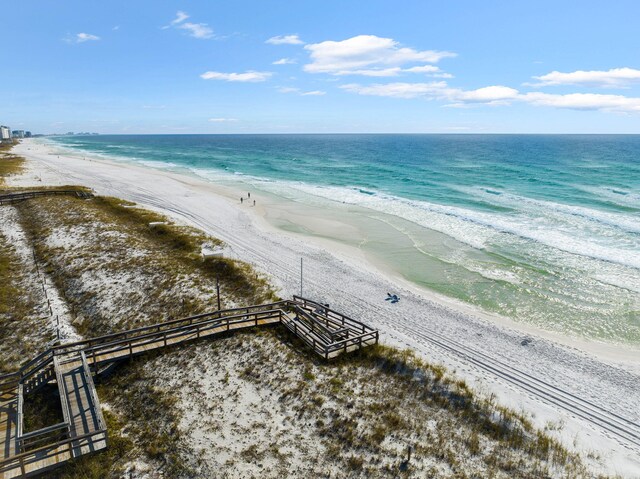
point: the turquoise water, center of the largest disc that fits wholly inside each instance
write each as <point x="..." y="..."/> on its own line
<point x="543" y="229"/>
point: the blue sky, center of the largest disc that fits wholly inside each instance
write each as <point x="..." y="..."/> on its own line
<point x="149" y="66"/>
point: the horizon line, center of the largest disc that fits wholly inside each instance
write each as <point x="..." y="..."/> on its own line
<point x="339" y="133"/>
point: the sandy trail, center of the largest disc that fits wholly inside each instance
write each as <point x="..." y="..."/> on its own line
<point x="595" y="398"/>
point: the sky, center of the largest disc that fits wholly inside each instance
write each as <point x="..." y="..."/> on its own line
<point x="157" y="66"/>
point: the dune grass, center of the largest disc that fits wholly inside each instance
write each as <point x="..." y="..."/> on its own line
<point x="22" y="334"/>
<point x="353" y="417"/>
<point x="10" y="164"/>
<point x="117" y="272"/>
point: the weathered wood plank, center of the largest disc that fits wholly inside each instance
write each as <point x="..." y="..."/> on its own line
<point x="9" y="423"/>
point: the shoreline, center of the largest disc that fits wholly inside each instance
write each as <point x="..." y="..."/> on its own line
<point x="271" y="208"/>
<point x="603" y="377"/>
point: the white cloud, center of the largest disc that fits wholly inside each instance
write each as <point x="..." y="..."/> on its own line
<point x="423" y="69"/>
<point x="585" y="101"/>
<point x="284" y="61"/>
<point x="180" y="17"/>
<point x="365" y="53"/>
<point x="430" y="70"/>
<point x="398" y="89"/>
<point x="286" y="89"/>
<point x="375" y="72"/>
<point x="86" y="37"/>
<point x="196" y="30"/>
<point x="249" y="76"/>
<point x="285" y="40"/>
<point x="616" y="77"/>
<point x="223" y="120"/>
<point x="489" y="94"/>
<point x="497" y="95"/>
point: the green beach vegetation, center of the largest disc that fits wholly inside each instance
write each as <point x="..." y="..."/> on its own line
<point x="10" y="164"/>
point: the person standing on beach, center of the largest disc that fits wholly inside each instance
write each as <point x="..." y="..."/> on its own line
<point x="241" y="199"/>
<point x="249" y="194"/>
<point x="254" y="202"/>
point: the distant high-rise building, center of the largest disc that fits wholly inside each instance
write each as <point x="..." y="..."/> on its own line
<point x="18" y="133"/>
<point x="5" y="133"/>
<point x="27" y="134"/>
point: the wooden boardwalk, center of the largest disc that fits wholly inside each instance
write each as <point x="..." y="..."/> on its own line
<point x="9" y="422"/>
<point x="25" y="195"/>
<point x="81" y="406"/>
<point x="71" y="366"/>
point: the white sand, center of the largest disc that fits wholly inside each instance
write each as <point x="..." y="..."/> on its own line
<point x="53" y="306"/>
<point x="593" y="381"/>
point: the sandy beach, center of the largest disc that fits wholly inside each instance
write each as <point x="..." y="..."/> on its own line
<point x="590" y="389"/>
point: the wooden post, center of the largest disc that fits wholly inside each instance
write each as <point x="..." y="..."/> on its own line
<point x="300" y="276"/>
<point x="218" y="290"/>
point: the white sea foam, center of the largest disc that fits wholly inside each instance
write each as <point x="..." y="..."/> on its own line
<point x="163" y="165"/>
<point x="629" y="223"/>
<point x="617" y="196"/>
<point x="475" y="228"/>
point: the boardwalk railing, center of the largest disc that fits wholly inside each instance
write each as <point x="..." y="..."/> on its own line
<point x="25" y="195"/>
<point x="93" y="394"/>
<point x="47" y="435"/>
<point x="332" y="316"/>
<point x="28" y="463"/>
<point x="325" y="331"/>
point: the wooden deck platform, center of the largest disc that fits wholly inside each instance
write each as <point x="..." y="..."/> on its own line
<point x="83" y="429"/>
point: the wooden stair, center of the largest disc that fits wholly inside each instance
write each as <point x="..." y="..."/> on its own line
<point x="80" y="405"/>
<point x="9" y="422"/>
<point x="83" y="429"/>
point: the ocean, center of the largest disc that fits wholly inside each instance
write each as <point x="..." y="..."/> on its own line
<point x="543" y="229"/>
